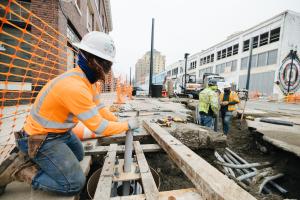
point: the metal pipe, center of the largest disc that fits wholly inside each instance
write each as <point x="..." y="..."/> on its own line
<point x="246" y="176"/>
<point x="228" y="170"/>
<point x="267" y="179"/>
<point x="232" y="153"/>
<point x="127" y="161"/>
<point x="239" y="158"/>
<point x="278" y="187"/>
<point x="266" y="189"/>
<point x="128" y="158"/>
<point x="242" y="166"/>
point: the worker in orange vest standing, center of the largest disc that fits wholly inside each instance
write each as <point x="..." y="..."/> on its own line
<point x="49" y="153"/>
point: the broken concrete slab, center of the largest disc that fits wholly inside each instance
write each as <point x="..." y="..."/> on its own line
<point x="283" y="137"/>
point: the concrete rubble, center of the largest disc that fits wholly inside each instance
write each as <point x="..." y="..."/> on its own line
<point x="196" y="137"/>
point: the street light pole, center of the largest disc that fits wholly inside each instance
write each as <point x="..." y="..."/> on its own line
<point x="249" y="66"/>
<point x="185" y="65"/>
<point x="151" y="59"/>
<point x="130" y="76"/>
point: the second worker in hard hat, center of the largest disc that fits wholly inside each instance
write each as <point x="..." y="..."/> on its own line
<point x="228" y="101"/>
<point x="209" y="104"/>
<point x="49" y="153"/>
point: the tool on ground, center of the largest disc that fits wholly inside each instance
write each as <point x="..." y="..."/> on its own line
<point x="243" y="92"/>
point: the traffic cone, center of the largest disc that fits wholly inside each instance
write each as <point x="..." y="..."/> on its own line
<point x="119" y="99"/>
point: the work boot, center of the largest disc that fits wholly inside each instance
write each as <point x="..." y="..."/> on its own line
<point x="9" y="167"/>
<point x="27" y="173"/>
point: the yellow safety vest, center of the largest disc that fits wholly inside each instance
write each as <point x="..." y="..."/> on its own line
<point x="233" y="97"/>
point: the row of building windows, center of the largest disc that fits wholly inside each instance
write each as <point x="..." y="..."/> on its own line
<point x="231" y="66"/>
<point x="260" y="60"/>
<point x="175" y="71"/>
<point x="207" y="59"/>
<point x="263" y="39"/>
<point x="260" y="40"/>
<point x="193" y="65"/>
<point x="205" y="70"/>
<point x="227" y="52"/>
<point x="17" y="11"/>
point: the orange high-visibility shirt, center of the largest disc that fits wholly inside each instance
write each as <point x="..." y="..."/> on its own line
<point x="64" y="101"/>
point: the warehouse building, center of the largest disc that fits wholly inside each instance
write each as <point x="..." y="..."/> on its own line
<point x="273" y="39"/>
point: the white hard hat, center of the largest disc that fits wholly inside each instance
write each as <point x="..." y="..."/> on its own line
<point x="98" y="44"/>
<point x="227" y="85"/>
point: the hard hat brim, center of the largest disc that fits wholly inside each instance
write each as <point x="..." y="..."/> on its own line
<point x="93" y="52"/>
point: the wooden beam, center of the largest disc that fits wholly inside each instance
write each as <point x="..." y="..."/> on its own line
<point x="121" y="138"/>
<point x="147" y="148"/>
<point x="149" y="186"/>
<point x="132" y="175"/>
<point x="209" y="182"/>
<point x="103" y="189"/>
<point x="186" y="194"/>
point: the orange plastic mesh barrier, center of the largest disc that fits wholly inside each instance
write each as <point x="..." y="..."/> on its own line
<point x="31" y="53"/>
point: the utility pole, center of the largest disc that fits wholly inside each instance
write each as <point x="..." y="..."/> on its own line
<point x="292" y="55"/>
<point x="185" y="65"/>
<point x="151" y="59"/>
<point x="249" y="66"/>
<point x="130" y="76"/>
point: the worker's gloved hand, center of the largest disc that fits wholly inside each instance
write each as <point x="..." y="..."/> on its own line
<point x="224" y="103"/>
<point x="133" y="124"/>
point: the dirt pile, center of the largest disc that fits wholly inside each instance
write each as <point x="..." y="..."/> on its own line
<point x="196" y="137"/>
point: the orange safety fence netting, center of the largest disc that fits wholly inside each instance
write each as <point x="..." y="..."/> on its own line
<point x="31" y="53"/>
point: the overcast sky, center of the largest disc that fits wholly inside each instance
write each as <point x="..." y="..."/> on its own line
<point x="183" y="25"/>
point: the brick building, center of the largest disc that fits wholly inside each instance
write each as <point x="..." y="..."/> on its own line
<point x="70" y="21"/>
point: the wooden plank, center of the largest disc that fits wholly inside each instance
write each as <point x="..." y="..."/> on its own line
<point x="126" y="176"/>
<point x="186" y="194"/>
<point x="209" y="182"/>
<point x="131" y="197"/>
<point x="149" y="186"/>
<point x="147" y="148"/>
<point x="119" y="138"/>
<point x="103" y="189"/>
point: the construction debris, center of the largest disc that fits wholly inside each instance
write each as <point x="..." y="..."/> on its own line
<point x="196" y="137"/>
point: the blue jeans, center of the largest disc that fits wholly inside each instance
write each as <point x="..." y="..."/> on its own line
<point x="226" y="121"/>
<point x="58" y="159"/>
<point x="206" y="120"/>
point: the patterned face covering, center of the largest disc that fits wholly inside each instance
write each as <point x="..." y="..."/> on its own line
<point x="83" y="64"/>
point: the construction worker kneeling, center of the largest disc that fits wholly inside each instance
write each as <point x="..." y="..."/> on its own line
<point x="49" y="153"/>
